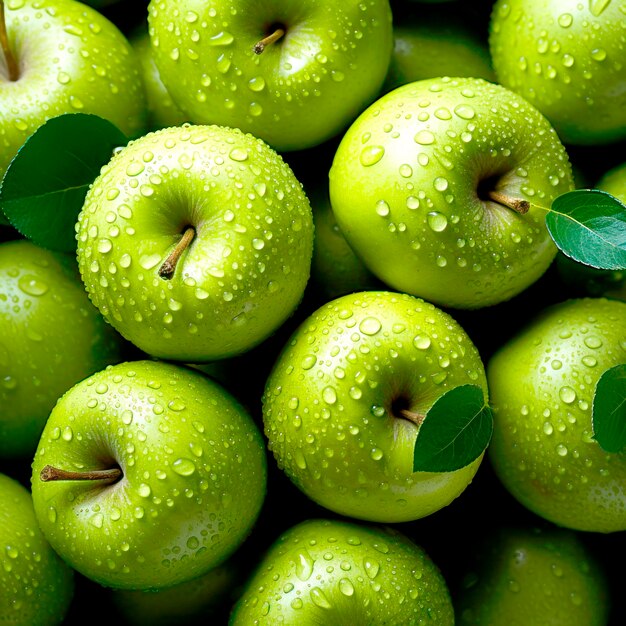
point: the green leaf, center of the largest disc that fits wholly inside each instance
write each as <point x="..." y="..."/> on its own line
<point x="44" y="187"/>
<point x="609" y="410"/>
<point x="456" y="431"/>
<point x="589" y="226"/>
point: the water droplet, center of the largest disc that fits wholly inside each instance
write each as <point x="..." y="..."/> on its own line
<point x="376" y="454"/>
<point x="424" y="137"/>
<point x="597" y="7"/>
<point x="422" y="342"/>
<point x="440" y="184"/>
<point x="567" y="394"/>
<point x="304" y="566"/>
<point x="370" y="326"/>
<point x="346" y="587"/>
<point x="319" y="599"/>
<point x="371" y="155"/>
<point x="238" y="154"/>
<point x="308" y="361"/>
<point x="371" y="568"/>
<point x="565" y="20"/>
<point x="593" y="342"/>
<point x="437" y="221"/>
<point x="382" y="208"/>
<point x="144" y="490"/>
<point x="464" y="111"/>
<point x="184" y="467"/>
<point x="329" y="395"/>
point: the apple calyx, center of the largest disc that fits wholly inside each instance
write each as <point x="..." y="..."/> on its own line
<point x="515" y="204"/>
<point x="258" y="47"/>
<point x="12" y="67"/>
<point x="50" y="473"/>
<point x="166" y="271"/>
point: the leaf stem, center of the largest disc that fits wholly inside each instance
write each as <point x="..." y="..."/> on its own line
<point x="12" y="67"/>
<point x="50" y="473"/>
<point x="266" y="41"/>
<point x="517" y="205"/>
<point x="166" y="271"/>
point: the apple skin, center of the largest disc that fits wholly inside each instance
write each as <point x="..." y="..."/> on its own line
<point x="72" y="59"/>
<point x="431" y="46"/>
<point x="542" y="383"/>
<point x="541" y="575"/>
<point x="334" y="572"/>
<point x="36" y="586"/>
<point x="52" y="337"/>
<point x="330" y="404"/>
<point x="246" y="269"/>
<point x="567" y="58"/>
<point x="162" y="110"/>
<point x="300" y="91"/>
<point x="194" y="475"/>
<point x="406" y="190"/>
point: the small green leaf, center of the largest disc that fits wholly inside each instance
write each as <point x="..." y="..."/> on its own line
<point x="44" y="187"/>
<point x="589" y="226"/>
<point x="456" y="431"/>
<point x="609" y="410"/>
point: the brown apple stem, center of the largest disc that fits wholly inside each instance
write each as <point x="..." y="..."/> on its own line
<point x="270" y="39"/>
<point x="416" y="418"/>
<point x="168" y="268"/>
<point x="49" y="473"/>
<point x="14" y="72"/>
<point x="517" y="205"/>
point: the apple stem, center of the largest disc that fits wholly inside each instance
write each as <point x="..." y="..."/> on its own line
<point x="266" y="41"/>
<point x="416" y="418"/>
<point x="14" y="72"/>
<point x="49" y="473"/>
<point x="168" y="268"/>
<point x="517" y="205"/>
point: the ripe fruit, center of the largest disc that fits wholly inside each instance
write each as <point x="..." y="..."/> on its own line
<point x="336" y="572"/>
<point x="324" y="62"/>
<point x="543" y="575"/>
<point x="68" y="58"/>
<point x="343" y="404"/>
<point x="36" y="586"/>
<point x="542" y="383"/>
<point x="195" y="242"/>
<point x="180" y="475"/>
<point x="51" y="338"/>
<point x="566" y="58"/>
<point x="429" y="185"/>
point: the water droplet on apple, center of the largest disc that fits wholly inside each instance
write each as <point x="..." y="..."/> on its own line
<point x="437" y="222"/>
<point x="32" y="286"/>
<point x="382" y="208"/>
<point x="593" y="342"/>
<point x="424" y="138"/>
<point x="597" y="7"/>
<point x="319" y="599"/>
<point x="422" y="342"/>
<point x="465" y="111"/>
<point x="371" y="155"/>
<point x="370" y="326"/>
<point x="184" y="467"/>
<point x="223" y="38"/>
<point x="565" y="20"/>
<point x="567" y="394"/>
<point x="238" y="154"/>
<point x="304" y="566"/>
<point x="329" y="395"/>
<point x="308" y="361"/>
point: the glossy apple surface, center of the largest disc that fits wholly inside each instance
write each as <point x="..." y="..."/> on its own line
<point x="36" y="586"/>
<point x="412" y="184"/>
<point x="335" y="572"/>
<point x="71" y="59"/>
<point x="301" y="90"/>
<point x="192" y="484"/>
<point x="542" y="383"/>
<point x="520" y="576"/>
<point x="245" y="270"/>
<point x="51" y="338"/>
<point x="567" y="58"/>
<point x="332" y="406"/>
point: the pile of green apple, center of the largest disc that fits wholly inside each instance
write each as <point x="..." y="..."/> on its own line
<point x="325" y="227"/>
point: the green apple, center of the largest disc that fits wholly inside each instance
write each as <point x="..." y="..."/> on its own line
<point x="208" y="596"/>
<point x="64" y="57"/>
<point x="542" y="382"/>
<point x="36" y="586"/>
<point x="542" y="575"/>
<point x="335" y="268"/>
<point x="431" y="46"/>
<point x="291" y="72"/>
<point x="195" y="242"/>
<point x="162" y="110"/>
<point x="148" y="475"/>
<point x="614" y="182"/>
<point x="335" y="572"/>
<point x="438" y="187"/>
<point x="343" y="404"/>
<point x="51" y="337"/>
<point x="566" y="57"/>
